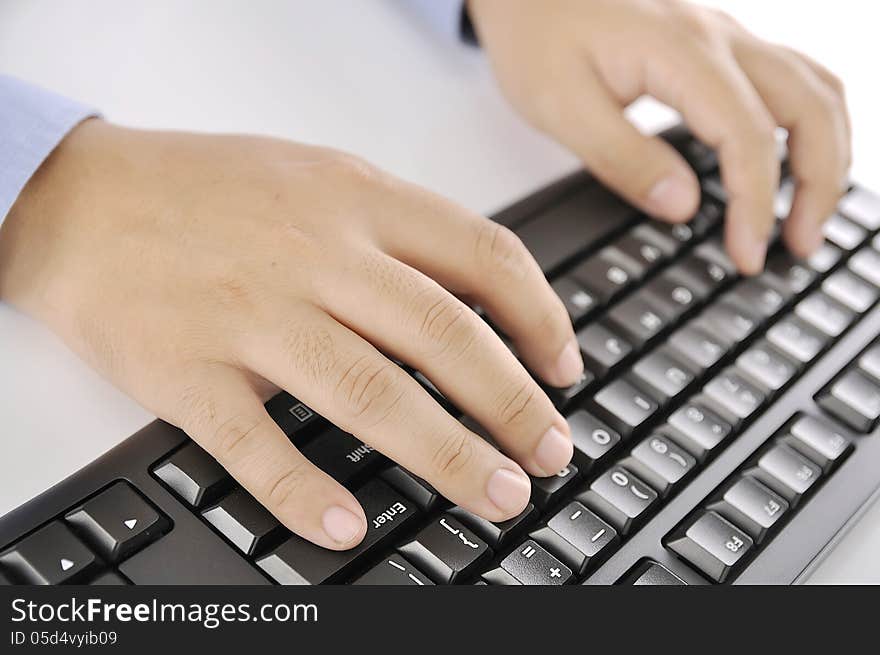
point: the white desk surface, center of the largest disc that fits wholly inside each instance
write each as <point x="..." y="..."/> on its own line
<point x="368" y="77"/>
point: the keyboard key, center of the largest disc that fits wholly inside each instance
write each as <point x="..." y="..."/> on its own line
<point x="653" y="574"/>
<point x="660" y="462"/>
<point x="627" y="407"/>
<point x="863" y="207"/>
<point x="646" y="254"/>
<point x="546" y="491"/>
<point x="825" y="258"/>
<point x="669" y="297"/>
<point x="602" y="349"/>
<point x="869" y="362"/>
<point x="851" y="290"/>
<point x="117" y="522"/>
<point x="591" y="437"/>
<point x="425" y="497"/>
<point x="637" y="319"/>
<point x="698" y="346"/>
<point x="579" y="302"/>
<point x="663" y="374"/>
<point x="703" y="276"/>
<point x="446" y="550"/>
<point x="786" y="472"/>
<point x="754" y="295"/>
<point x="109" y="579"/>
<point x="620" y="498"/>
<point x="767" y="366"/>
<point x="788" y="274"/>
<point x="589" y="535"/>
<point x="753" y="507"/>
<point x="727" y="321"/>
<point x="530" y="564"/>
<point x="796" y="338"/>
<point x="604" y="274"/>
<point x="647" y="231"/>
<point x="843" y="233"/>
<point x="4" y="580"/>
<point x="244" y="521"/>
<point x="818" y="440"/>
<point x="866" y="264"/>
<point x="298" y="561"/>
<point x="679" y="233"/>
<point x="496" y="534"/>
<point x="825" y="313"/>
<point x="50" y="556"/>
<point x="394" y="571"/>
<point x="194" y="476"/>
<point x="562" y="398"/>
<point x="735" y="394"/>
<point x="713" y="545"/>
<point x="573" y="225"/>
<point x="702" y="428"/>
<point x="854" y="399"/>
<point x="294" y="417"/>
<point x="498" y="577"/>
<point x="342" y="456"/>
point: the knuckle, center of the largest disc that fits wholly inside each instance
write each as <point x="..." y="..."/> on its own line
<point x="372" y="390"/>
<point x="234" y="434"/>
<point x="501" y="250"/>
<point x="354" y="168"/>
<point x="516" y="402"/>
<point x="454" y="454"/>
<point x="446" y="325"/>
<point x="287" y="486"/>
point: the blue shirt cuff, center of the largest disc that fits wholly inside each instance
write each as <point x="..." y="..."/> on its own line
<point x="33" y="122"/>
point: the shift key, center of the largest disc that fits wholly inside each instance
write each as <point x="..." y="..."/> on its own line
<point x="300" y="562"/>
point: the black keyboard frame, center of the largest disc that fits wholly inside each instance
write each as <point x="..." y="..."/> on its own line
<point x="786" y="558"/>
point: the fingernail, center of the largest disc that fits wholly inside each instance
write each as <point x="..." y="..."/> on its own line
<point x="569" y="365"/>
<point x="509" y="491"/>
<point x="554" y="451"/>
<point x="673" y="197"/>
<point x="341" y="525"/>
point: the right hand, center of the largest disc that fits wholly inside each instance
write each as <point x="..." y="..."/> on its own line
<point x="203" y="273"/>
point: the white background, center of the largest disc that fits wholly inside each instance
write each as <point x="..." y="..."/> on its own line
<point x="365" y="76"/>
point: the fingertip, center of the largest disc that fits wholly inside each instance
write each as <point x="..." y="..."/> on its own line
<point x="568" y="367"/>
<point x="675" y="197"/>
<point x="343" y="528"/>
<point x="509" y="491"/>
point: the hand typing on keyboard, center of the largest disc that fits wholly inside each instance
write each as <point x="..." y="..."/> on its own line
<point x="201" y="273"/>
<point x="570" y="66"/>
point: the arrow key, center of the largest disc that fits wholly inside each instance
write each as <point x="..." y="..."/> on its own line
<point x="52" y="555"/>
<point x="117" y="522"/>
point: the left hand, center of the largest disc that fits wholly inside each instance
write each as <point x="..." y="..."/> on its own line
<point x="571" y="66"/>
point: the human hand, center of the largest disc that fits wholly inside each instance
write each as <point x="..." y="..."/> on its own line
<point x="570" y="67"/>
<point x="202" y="273"/>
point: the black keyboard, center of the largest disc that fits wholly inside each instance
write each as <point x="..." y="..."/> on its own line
<point x="723" y="431"/>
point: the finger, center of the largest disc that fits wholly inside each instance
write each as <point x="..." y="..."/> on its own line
<point x="819" y="151"/>
<point x="224" y="414"/>
<point x="724" y="110"/>
<point x="411" y="317"/>
<point x="584" y="115"/>
<point x="834" y="83"/>
<point x="347" y="380"/>
<point x="486" y="262"/>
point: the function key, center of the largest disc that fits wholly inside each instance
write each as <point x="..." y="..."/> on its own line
<point x="851" y="290"/>
<point x="825" y="313"/>
<point x="843" y="233"/>
<point x="546" y="491"/>
<point x="244" y="521"/>
<point x="602" y="349"/>
<point x="626" y="407"/>
<point x="579" y="302"/>
<point x="531" y="564"/>
<point x="798" y="339"/>
<point x="866" y="264"/>
<point x="863" y="207"/>
<point x="821" y="442"/>
<point x="446" y="550"/>
<point x="592" y="439"/>
<point x="713" y="545"/>
<point x="702" y="428"/>
<point x="767" y="366"/>
<point x="194" y="475"/>
<point x="786" y="472"/>
<point x="750" y="505"/>
<point x="661" y="462"/>
<point x="394" y="571"/>
<point x="620" y="498"/>
<point x="854" y="399"/>
<point x="52" y="555"/>
<point x="117" y="522"/>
